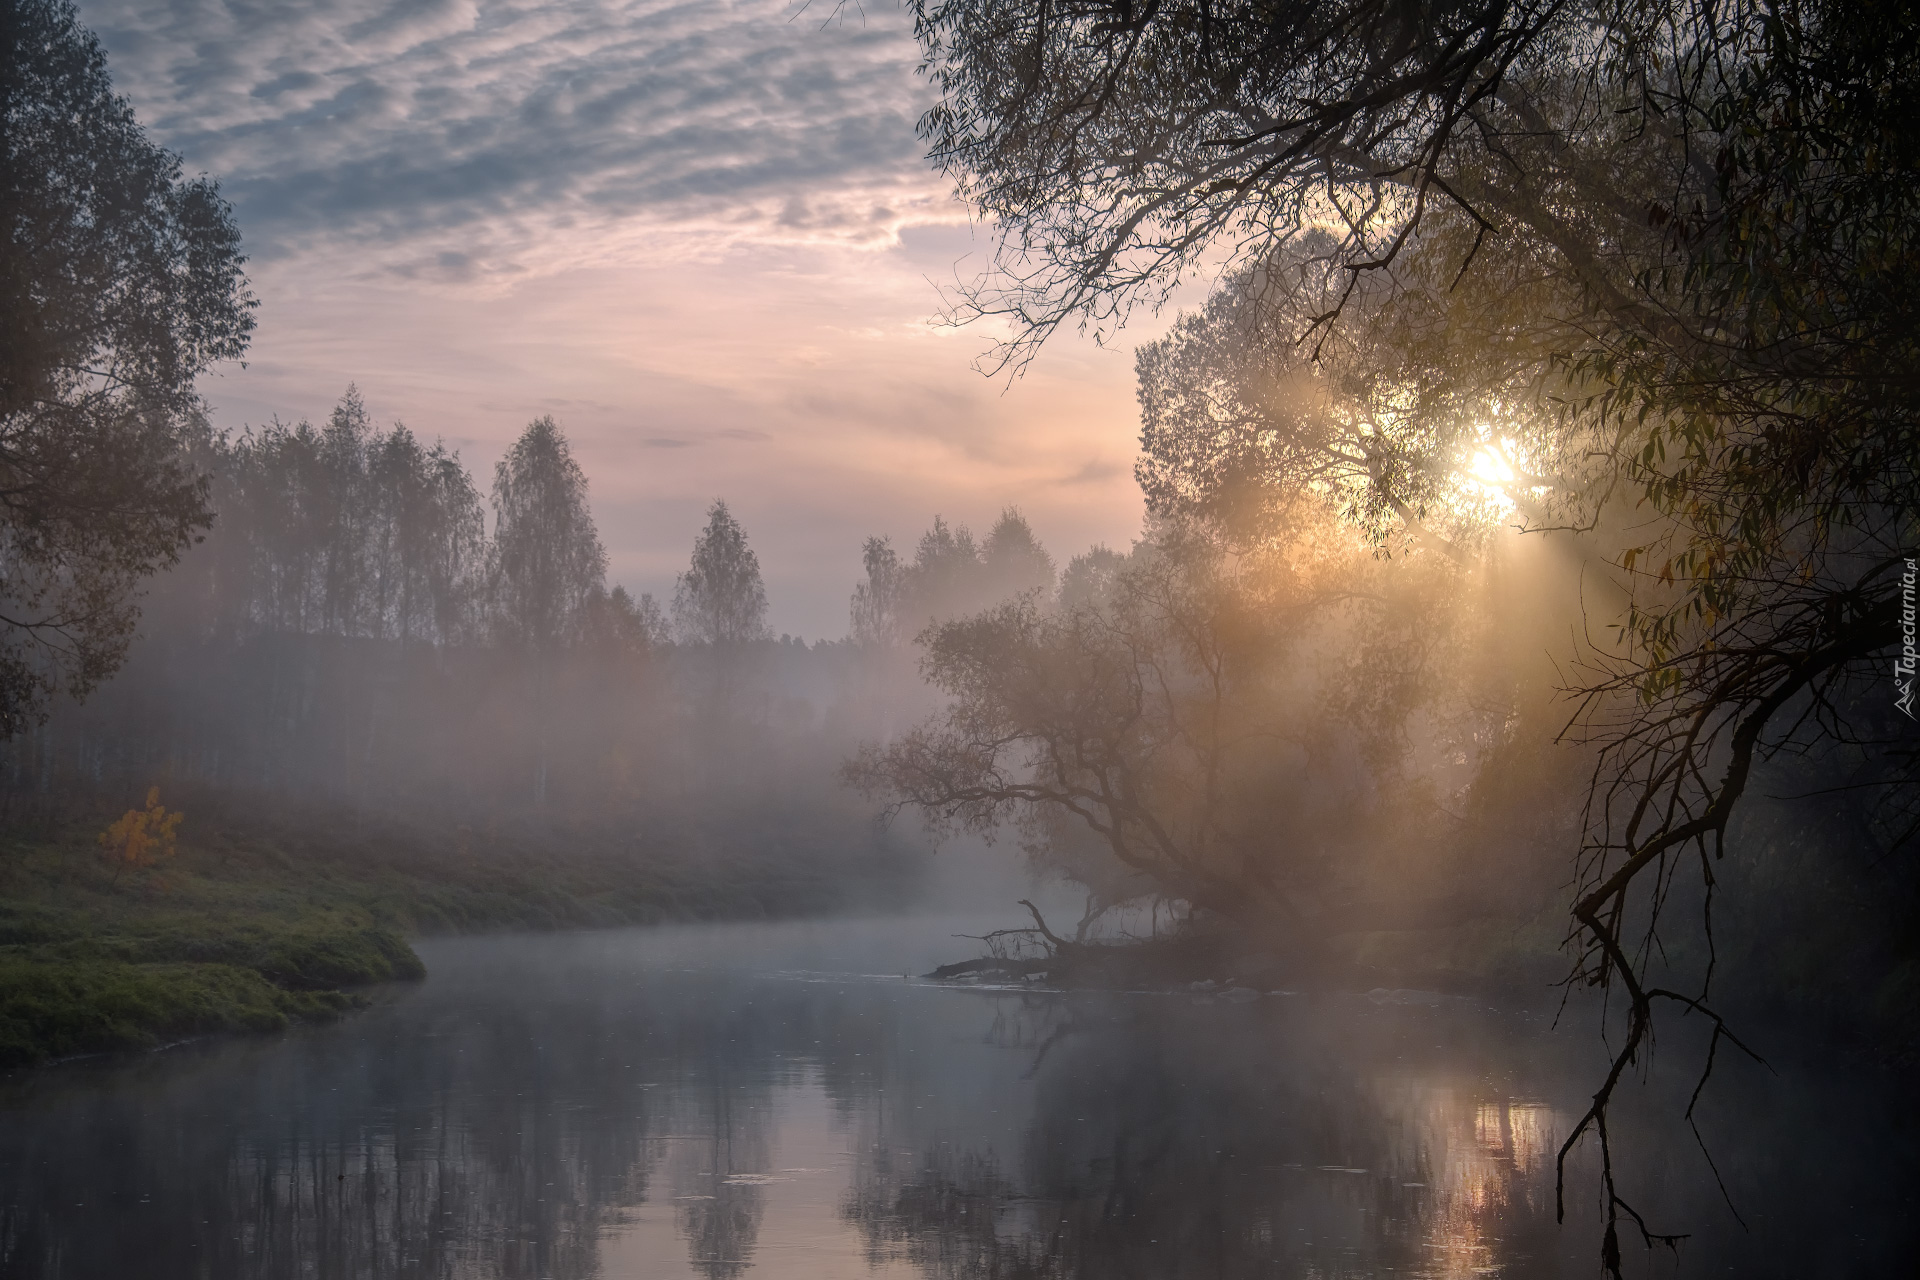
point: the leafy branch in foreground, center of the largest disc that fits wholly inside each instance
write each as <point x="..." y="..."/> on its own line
<point x="120" y="283"/>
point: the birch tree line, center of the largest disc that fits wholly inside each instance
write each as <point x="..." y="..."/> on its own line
<point x="346" y="530"/>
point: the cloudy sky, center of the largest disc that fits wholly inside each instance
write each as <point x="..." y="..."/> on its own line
<point x="700" y="234"/>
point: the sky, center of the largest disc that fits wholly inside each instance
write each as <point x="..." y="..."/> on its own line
<point x="702" y="235"/>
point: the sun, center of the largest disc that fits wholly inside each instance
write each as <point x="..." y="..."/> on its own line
<point x="1489" y="475"/>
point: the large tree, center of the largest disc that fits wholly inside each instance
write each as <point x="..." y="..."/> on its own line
<point x="1227" y="727"/>
<point x="1666" y="241"/>
<point x="1647" y="266"/>
<point x="120" y="282"/>
<point x="428" y="540"/>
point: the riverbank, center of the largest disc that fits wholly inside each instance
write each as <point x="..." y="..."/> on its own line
<point x="1517" y="960"/>
<point x="93" y="962"/>
<point x="256" y="923"/>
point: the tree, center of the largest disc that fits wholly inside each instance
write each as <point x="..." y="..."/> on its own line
<point x="429" y="536"/>
<point x="1670" y="241"/>
<point x="720" y="599"/>
<point x="271" y="495"/>
<point x="1491" y="211"/>
<point x="951" y="575"/>
<point x="120" y="282"/>
<point x="874" y="614"/>
<point x="944" y="581"/>
<point x="1175" y="706"/>
<point x="1014" y="561"/>
<point x="344" y="531"/>
<point x="1089" y="577"/>
<point x="616" y="624"/>
<point x="343" y="500"/>
<point x="547" y="557"/>
<point x="1237" y="413"/>
<point x="548" y="564"/>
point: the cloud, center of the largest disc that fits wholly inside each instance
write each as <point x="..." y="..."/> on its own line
<point x="699" y="233"/>
<point x="1095" y="471"/>
<point x="469" y="143"/>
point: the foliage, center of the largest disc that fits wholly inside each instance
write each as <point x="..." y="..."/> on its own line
<point x="340" y="640"/>
<point x="874" y="613"/>
<point x="343" y="530"/>
<point x="951" y="575"/>
<point x="1641" y="272"/>
<point x="1201" y="714"/>
<point x="1490" y="223"/>
<point x="122" y="283"/>
<point x="142" y="837"/>
<point x="720" y="599"/>
<point x="546" y="556"/>
<point x="1379" y="420"/>
<point x="614" y="622"/>
<point x="282" y="912"/>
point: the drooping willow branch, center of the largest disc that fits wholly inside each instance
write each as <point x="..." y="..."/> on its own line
<point x="1660" y="764"/>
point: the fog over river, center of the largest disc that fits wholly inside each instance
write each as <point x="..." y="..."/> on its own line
<point x="776" y="1100"/>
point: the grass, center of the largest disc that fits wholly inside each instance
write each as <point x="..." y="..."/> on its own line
<point x="94" y="962"/>
<point x="53" y="1009"/>
<point x="258" y="922"/>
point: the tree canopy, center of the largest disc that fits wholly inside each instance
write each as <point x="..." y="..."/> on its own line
<point x="120" y="282"/>
<point x="547" y="557"/>
<point x="952" y="574"/>
<point x="1636" y="274"/>
<point x="720" y="599"/>
<point x="345" y="530"/>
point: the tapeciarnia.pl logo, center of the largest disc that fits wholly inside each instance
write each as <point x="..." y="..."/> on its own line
<point x="1903" y="667"/>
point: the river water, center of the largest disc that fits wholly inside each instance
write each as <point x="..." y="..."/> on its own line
<point x="779" y="1101"/>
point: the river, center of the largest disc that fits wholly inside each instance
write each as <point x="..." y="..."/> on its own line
<point x="780" y="1101"/>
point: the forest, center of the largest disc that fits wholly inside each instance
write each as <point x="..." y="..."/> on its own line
<point x="1524" y="605"/>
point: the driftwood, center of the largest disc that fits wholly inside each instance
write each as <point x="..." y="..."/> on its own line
<point x="1070" y="963"/>
<point x="1004" y="947"/>
<point x="990" y="964"/>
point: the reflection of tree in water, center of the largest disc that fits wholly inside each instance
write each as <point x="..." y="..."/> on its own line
<point x="515" y="1169"/>
<point x="1490" y="1161"/>
<point x="1034" y="1023"/>
<point x="455" y="1145"/>
<point x="721" y="1230"/>
<point x="1168" y="1141"/>
<point x="953" y="1217"/>
<point x="716" y="1168"/>
<point x="501" y="1133"/>
<point x="403" y="1155"/>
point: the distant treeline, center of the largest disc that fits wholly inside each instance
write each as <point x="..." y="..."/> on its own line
<point x="344" y="530"/>
<point x="364" y="628"/>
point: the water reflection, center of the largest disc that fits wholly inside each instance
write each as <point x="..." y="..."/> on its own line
<point x="667" y="1105"/>
<point x="1158" y="1145"/>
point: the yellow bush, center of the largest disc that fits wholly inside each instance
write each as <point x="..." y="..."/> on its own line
<point x="141" y="837"/>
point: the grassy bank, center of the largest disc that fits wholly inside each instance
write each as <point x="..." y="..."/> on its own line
<point x="258" y="922"/>
<point x="92" y="961"/>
